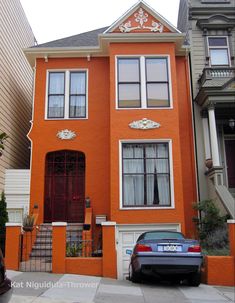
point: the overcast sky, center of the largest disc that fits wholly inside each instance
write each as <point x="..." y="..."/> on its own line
<point x="54" y="19"/>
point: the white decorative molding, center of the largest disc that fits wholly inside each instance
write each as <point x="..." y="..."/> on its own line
<point x="156" y="27"/>
<point x="144" y="124"/>
<point x="66" y="134"/>
<point x="141" y="17"/>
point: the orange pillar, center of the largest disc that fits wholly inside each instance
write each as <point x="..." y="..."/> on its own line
<point x="58" y="247"/>
<point x="12" y="248"/>
<point x="109" y="250"/>
<point x="231" y="229"/>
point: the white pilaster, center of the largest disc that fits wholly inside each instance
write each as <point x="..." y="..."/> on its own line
<point x="206" y="138"/>
<point x="213" y="136"/>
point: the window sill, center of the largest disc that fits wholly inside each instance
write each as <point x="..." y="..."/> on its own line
<point x="62" y="119"/>
<point x="145" y="208"/>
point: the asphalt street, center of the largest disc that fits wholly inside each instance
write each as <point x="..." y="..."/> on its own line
<point x="46" y="287"/>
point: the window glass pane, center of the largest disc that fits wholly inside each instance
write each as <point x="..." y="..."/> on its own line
<point x="56" y="106"/>
<point x="77" y="83"/>
<point x="219" y="57"/>
<point x="156" y="69"/>
<point x="56" y="83"/>
<point x="157" y="94"/>
<point x="129" y="95"/>
<point x="133" y="166"/>
<point x="77" y="106"/>
<point x="217" y="41"/>
<point x="128" y="70"/>
<point x="133" y="190"/>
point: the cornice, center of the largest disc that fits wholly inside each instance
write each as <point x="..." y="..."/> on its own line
<point x="102" y="50"/>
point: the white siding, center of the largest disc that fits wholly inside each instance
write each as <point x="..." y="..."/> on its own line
<point x="16" y="81"/>
<point x="17" y="191"/>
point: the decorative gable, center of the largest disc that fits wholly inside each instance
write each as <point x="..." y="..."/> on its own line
<point x="141" y="19"/>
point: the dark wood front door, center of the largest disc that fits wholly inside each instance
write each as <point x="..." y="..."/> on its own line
<point x="64" y="187"/>
<point x="230" y="159"/>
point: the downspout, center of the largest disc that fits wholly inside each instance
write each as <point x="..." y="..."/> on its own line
<point x="194" y="127"/>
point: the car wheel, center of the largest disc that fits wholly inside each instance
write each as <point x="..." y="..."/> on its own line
<point x="134" y="276"/>
<point x="194" y="279"/>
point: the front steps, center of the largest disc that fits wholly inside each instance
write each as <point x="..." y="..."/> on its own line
<point x="42" y="247"/>
<point x="40" y="257"/>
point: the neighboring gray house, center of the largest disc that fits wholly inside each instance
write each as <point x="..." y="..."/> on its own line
<point x="16" y="90"/>
<point x="210" y="28"/>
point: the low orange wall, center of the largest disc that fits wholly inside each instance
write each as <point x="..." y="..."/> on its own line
<point x="219" y="270"/>
<point x="84" y="266"/>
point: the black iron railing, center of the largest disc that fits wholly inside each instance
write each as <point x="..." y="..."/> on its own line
<point x="77" y="247"/>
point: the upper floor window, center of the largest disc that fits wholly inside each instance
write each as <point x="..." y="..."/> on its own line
<point x="143" y="82"/>
<point x="67" y="94"/>
<point x="218" y="50"/>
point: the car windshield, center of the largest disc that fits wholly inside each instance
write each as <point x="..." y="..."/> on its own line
<point x="155" y="235"/>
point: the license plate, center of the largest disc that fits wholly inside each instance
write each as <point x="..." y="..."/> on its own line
<point x="172" y="248"/>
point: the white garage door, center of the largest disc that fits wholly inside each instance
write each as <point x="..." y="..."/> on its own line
<point x="126" y="239"/>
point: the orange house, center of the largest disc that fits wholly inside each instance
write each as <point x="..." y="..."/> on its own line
<point x="112" y="129"/>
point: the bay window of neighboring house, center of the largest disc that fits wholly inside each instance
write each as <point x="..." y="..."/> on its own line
<point x="67" y="95"/>
<point x="218" y="51"/>
<point x="146" y="175"/>
<point x="143" y="82"/>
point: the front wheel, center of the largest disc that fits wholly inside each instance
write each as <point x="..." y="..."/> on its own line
<point x="194" y="279"/>
<point x="134" y="276"/>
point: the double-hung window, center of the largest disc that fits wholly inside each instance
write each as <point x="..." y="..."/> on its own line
<point x="143" y="82"/>
<point x="218" y="51"/>
<point x="145" y="175"/>
<point x="67" y="94"/>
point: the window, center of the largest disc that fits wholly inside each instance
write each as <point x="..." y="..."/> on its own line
<point x="67" y="97"/>
<point x="218" y="50"/>
<point x="145" y="175"/>
<point x="143" y="82"/>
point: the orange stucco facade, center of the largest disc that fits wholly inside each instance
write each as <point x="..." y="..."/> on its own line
<point x="98" y="136"/>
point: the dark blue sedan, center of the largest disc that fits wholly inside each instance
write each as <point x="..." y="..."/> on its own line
<point x="166" y="254"/>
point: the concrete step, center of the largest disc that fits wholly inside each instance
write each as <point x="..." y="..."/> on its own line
<point x="41" y="253"/>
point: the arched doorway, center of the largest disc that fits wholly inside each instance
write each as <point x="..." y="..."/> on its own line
<point x="64" y="187"/>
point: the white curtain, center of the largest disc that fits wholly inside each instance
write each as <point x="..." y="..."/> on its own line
<point x="133" y="184"/>
<point x="158" y="181"/>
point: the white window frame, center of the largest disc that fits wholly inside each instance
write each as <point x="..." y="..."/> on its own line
<point x="66" y="93"/>
<point x="16" y="210"/>
<point x="143" y="96"/>
<point x="218" y="47"/>
<point x="169" y="141"/>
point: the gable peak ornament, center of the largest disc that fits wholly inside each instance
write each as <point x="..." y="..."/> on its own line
<point x="66" y="134"/>
<point x="144" y="124"/>
<point x="141" y="17"/>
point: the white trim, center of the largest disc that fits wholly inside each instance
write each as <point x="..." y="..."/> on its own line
<point x="66" y="93"/>
<point x="59" y="224"/>
<point x="12" y="224"/>
<point x="218" y="47"/>
<point x="108" y="223"/>
<point x="231" y="221"/>
<point x="143" y="96"/>
<point x="169" y="141"/>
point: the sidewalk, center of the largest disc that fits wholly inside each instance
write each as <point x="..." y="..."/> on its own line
<point x="45" y="288"/>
